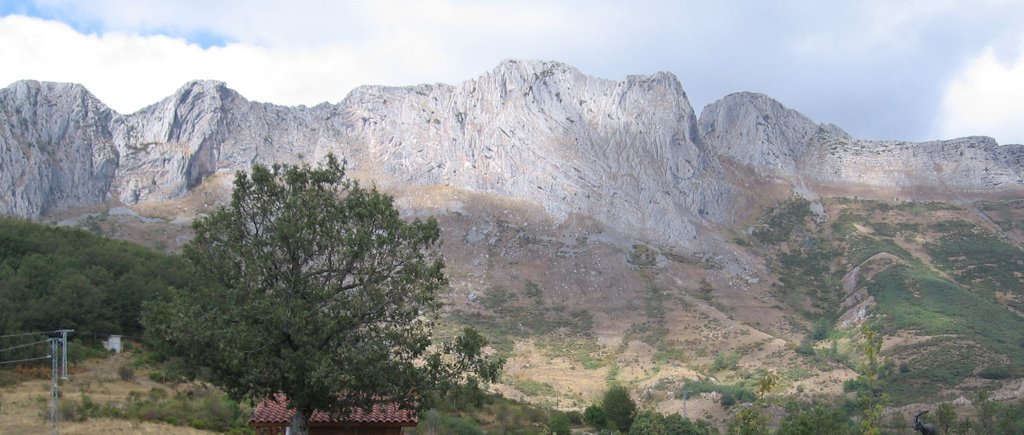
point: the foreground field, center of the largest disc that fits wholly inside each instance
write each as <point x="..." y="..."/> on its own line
<point x="24" y="404"/>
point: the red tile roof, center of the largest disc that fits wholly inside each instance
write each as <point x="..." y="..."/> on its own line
<point x="277" y="411"/>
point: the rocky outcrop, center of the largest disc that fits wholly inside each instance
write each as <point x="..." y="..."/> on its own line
<point x="55" y="148"/>
<point x="630" y="153"/>
<point x="625" y="152"/>
<point x="761" y="133"/>
<point x="170" y="147"/>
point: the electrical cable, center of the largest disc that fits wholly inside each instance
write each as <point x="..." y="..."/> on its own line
<point x="23" y="345"/>
<point x="26" y="359"/>
<point x="26" y="333"/>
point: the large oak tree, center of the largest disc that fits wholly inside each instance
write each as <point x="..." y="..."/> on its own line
<point x="314" y="286"/>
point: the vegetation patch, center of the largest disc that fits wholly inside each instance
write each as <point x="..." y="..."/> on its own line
<point x="933" y="366"/>
<point x="779" y="222"/>
<point x="978" y="259"/>
<point x="586" y="352"/>
<point x="43" y="267"/>
<point x="730" y="394"/>
<point x="533" y="388"/>
<point x="201" y="408"/>
<point x="916" y="299"/>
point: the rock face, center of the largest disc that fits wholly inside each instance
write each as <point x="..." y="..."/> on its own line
<point x="759" y="132"/>
<point x="631" y="154"/>
<point x="625" y="152"/>
<point x="55" y="148"/>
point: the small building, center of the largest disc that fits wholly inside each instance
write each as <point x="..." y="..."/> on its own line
<point x="272" y="417"/>
<point x="113" y="343"/>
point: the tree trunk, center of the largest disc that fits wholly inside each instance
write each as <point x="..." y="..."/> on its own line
<point x="300" y="422"/>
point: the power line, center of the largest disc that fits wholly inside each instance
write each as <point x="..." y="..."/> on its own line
<point x="22" y="334"/>
<point x="26" y="359"/>
<point x="23" y="345"/>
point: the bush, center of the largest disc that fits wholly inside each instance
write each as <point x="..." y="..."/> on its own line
<point x="594" y="417"/>
<point x="821" y="329"/>
<point x="126" y="373"/>
<point x="995" y="372"/>
<point x="558" y="423"/>
<point x="648" y="422"/>
<point x="434" y="421"/>
<point x="805" y="348"/>
<point x="749" y="421"/>
<point x="725" y="361"/>
<point x="68" y="411"/>
<point x="819" y="420"/>
<point x="730" y="394"/>
<point x="575" y="418"/>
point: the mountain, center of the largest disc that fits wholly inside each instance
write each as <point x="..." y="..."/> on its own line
<point x="761" y="133"/>
<point x="600" y="231"/>
<point x="631" y="154"/>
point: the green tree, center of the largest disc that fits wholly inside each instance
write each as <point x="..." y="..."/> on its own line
<point x="871" y="398"/>
<point x="648" y="423"/>
<point x="986" y="411"/>
<point x="767" y="383"/>
<point x="946" y="416"/>
<point x="618" y="408"/>
<point x="313" y="286"/>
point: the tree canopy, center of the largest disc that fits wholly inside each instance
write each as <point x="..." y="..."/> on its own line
<point x="53" y="277"/>
<point x="619" y="408"/>
<point x="314" y="286"/>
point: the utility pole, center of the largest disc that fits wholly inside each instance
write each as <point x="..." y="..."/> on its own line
<point x="54" y="394"/>
<point x="64" y="351"/>
<point x="686" y="394"/>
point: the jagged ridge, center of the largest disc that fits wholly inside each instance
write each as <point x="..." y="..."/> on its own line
<point x="630" y="153"/>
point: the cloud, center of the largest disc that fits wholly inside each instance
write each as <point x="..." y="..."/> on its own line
<point x="129" y="71"/>
<point x="877" y="68"/>
<point x="285" y="55"/>
<point x="986" y="98"/>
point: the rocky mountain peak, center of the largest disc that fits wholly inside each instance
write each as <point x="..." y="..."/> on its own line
<point x="55" y="148"/>
<point x="631" y="153"/>
<point x="760" y="132"/>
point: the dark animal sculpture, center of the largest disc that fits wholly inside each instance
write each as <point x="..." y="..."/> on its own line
<point x="927" y="428"/>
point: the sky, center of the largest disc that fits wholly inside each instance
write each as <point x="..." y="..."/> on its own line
<point x="895" y="70"/>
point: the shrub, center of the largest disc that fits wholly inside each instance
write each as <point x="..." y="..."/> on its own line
<point x="818" y="420"/>
<point x="725" y="361"/>
<point x="68" y="411"/>
<point x="434" y="421"/>
<point x="821" y="329"/>
<point x="126" y="373"/>
<point x="995" y="372"/>
<point x="749" y="421"/>
<point x="648" y="422"/>
<point x="558" y="423"/>
<point x="594" y="417"/>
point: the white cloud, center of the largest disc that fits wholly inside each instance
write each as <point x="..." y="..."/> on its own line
<point x="986" y="98"/>
<point x="877" y="68"/>
<point x="280" y="55"/>
<point x="130" y="71"/>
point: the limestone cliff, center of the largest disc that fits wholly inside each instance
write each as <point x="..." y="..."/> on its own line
<point x="629" y="153"/>
<point x="759" y="132"/>
<point x="55" y="148"/>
